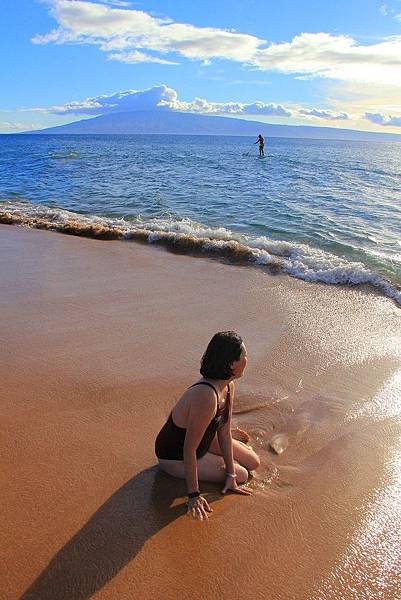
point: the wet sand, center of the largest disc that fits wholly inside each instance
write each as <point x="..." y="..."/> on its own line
<point x="97" y="340"/>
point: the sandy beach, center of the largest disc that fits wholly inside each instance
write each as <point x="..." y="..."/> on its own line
<point x="98" y="338"/>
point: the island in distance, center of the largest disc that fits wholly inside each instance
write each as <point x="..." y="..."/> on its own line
<point x="179" y="123"/>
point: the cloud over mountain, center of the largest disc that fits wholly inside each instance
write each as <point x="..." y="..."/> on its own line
<point x="200" y="105"/>
<point x="385" y="120"/>
<point x="128" y="100"/>
<point x="164" y="98"/>
<point x="328" y="115"/>
<point x="161" y="97"/>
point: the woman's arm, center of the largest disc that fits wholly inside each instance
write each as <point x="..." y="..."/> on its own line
<point x="225" y="439"/>
<point x="202" y="407"/>
<point x="226" y="446"/>
<point x="201" y="411"/>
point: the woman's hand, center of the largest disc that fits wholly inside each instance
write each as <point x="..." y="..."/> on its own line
<point x="231" y="484"/>
<point x="198" y="508"/>
<point x="240" y="435"/>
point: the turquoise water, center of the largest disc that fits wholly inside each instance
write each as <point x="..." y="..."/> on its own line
<point x="321" y="210"/>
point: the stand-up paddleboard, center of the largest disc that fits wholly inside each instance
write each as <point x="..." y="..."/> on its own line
<point x="245" y="154"/>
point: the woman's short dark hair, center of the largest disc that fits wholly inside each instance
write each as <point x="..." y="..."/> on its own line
<point x="223" y="349"/>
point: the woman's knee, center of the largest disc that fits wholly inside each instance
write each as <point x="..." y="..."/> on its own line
<point x="246" y="456"/>
<point x="241" y="473"/>
<point x="253" y="461"/>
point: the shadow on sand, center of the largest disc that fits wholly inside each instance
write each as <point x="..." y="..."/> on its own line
<point x="112" y="537"/>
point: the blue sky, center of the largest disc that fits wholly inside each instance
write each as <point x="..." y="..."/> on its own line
<point x="326" y="63"/>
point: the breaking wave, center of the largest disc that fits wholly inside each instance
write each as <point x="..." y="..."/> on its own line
<point x="185" y="236"/>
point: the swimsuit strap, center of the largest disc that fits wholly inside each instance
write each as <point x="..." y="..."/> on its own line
<point x="210" y="385"/>
<point x="228" y="397"/>
<point x="228" y="400"/>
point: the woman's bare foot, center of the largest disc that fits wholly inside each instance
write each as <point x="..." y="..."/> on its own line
<point x="240" y="435"/>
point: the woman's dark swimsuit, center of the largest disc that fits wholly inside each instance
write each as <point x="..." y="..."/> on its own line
<point x="170" y="441"/>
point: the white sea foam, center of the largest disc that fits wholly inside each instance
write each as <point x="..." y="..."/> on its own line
<point x="297" y="260"/>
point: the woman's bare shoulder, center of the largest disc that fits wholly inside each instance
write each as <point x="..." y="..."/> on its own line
<point x="200" y="398"/>
<point x="197" y="401"/>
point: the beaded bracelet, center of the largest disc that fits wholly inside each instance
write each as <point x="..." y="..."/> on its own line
<point x="194" y="494"/>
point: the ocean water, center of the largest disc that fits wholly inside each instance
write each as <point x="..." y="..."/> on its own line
<point x="326" y="211"/>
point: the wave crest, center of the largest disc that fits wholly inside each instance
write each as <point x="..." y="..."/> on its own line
<point x="185" y="236"/>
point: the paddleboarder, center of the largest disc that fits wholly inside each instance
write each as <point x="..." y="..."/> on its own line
<point x="261" y="143"/>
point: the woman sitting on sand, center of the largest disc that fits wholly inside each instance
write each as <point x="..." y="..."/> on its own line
<point x="196" y="443"/>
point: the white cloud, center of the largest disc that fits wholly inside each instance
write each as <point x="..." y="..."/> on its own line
<point x="136" y="57"/>
<point x="385" y="120"/>
<point x="335" y="57"/>
<point x="357" y="100"/>
<point x="200" y="105"/>
<point x="129" y="35"/>
<point x="119" y="3"/>
<point x="165" y="98"/>
<point x="121" y="29"/>
<point x="160" y="98"/>
<point x="387" y="11"/>
<point x="328" y="115"/>
<point x="260" y="108"/>
<point x="128" y="100"/>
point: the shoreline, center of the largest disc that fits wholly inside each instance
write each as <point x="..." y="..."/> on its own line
<point x="99" y="339"/>
<point x="274" y="260"/>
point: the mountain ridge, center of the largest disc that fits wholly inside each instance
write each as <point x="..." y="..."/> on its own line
<point x="179" y="123"/>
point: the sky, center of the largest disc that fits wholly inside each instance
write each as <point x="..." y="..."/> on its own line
<point x="330" y="63"/>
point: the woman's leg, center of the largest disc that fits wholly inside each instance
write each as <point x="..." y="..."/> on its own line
<point x="243" y="454"/>
<point x="211" y="467"/>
